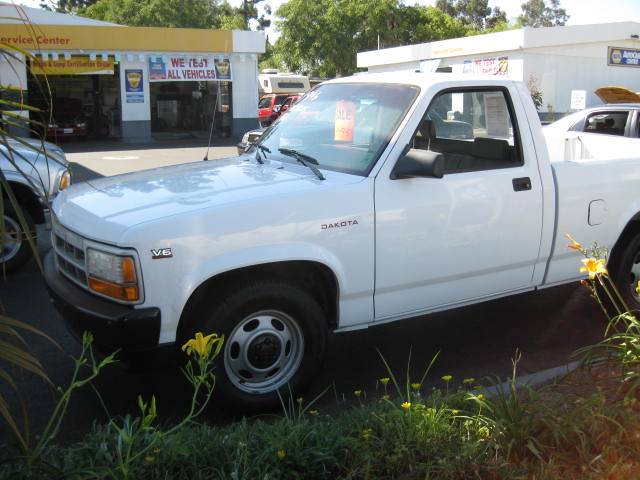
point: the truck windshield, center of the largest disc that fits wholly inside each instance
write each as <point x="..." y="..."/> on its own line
<point x="344" y="126"/>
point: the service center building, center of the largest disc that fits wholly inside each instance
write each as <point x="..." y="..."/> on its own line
<point x="561" y="62"/>
<point x="133" y="83"/>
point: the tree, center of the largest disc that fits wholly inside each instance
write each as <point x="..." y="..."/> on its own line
<point x="174" y="13"/>
<point x="322" y="37"/>
<point x="536" y="13"/>
<point x="66" y="6"/>
<point x="475" y="13"/>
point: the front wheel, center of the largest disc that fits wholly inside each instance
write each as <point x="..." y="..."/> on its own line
<point x="15" y="249"/>
<point x="275" y="339"/>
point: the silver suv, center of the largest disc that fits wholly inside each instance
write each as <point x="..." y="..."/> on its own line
<point x="36" y="173"/>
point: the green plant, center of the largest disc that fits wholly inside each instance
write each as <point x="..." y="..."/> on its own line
<point x="133" y="441"/>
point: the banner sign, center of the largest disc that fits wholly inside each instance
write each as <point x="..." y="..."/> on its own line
<point x="188" y="69"/>
<point x="134" y="86"/>
<point x="76" y="65"/>
<point x="623" y="57"/>
<point x="487" y="66"/>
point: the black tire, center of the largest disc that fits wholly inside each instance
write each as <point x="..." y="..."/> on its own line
<point x="24" y="252"/>
<point x="622" y="272"/>
<point x="224" y="316"/>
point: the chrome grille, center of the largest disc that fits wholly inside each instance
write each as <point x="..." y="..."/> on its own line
<point x="70" y="256"/>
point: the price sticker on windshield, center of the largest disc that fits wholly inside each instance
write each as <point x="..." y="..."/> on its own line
<point x="345" y="121"/>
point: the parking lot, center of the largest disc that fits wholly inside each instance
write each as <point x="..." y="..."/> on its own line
<point x="474" y="341"/>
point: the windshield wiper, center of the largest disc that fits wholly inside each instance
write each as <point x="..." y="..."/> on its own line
<point x="260" y="149"/>
<point x="304" y="159"/>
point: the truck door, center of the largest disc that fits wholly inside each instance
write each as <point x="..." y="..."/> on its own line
<point x="473" y="233"/>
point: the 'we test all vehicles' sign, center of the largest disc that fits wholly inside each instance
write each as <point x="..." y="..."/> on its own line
<point x="188" y="69"/>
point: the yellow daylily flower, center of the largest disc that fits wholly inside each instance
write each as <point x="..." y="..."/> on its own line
<point x="415" y="387"/>
<point x="593" y="267"/>
<point x="384" y="381"/>
<point x="204" y="345"/>
<point x="447" y="378"/>
<point x="406" y="405"/>
<point x="281" y="454"/>
<point x="357" y="393"/>
<point x="574" y="245"/>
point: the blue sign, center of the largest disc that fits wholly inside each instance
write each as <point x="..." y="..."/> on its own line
<point x="157" y="69"/>
<point x="134" y="85"/>
<point x="624" y="57"/>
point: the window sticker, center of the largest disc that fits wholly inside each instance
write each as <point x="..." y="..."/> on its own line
<point x="345" y="120"/>
<point x="496" y="115"/>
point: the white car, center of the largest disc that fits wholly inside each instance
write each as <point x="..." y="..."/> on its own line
<point x="36" y="172"/>
<point x="351" y="211"/>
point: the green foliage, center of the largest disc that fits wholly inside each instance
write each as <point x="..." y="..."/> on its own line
<point x="175" y="13"/>
<point x="322" y="37"/>
<point x="475" y="13"/>
<point x="536" y="13"/>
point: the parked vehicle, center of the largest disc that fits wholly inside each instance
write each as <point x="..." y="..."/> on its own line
<point x="619" y="116"/>
<point x="35" y="183"/>
<point x="65" y="118"/>
<point x="269" y="107"/>
<point x="352" y="210"/>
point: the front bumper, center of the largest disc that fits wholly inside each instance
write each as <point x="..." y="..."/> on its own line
<point x="113" y="326"/>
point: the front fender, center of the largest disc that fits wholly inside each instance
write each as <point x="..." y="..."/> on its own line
<point x="259" y="256"/>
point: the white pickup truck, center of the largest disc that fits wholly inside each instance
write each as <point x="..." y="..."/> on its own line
<point x="374" y="199"/>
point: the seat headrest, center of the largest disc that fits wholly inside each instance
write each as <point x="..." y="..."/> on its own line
<point x="491" y="148"/>
<point x="427" y="129"/>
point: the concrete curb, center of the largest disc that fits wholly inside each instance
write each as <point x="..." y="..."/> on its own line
<point x="533" y="379"/>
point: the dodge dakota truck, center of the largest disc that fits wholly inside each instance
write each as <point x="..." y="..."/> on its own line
<point x="375" y="198"/>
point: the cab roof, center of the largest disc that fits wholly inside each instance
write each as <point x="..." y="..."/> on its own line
<point x="422" y="80"/>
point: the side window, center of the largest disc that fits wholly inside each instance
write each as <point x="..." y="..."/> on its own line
<point x="607" y="123"/>
<point x="473" y="129"/>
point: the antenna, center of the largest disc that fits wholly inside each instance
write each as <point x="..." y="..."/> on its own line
<point x="213" y="122"/>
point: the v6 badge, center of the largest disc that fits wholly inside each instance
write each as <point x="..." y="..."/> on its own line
<point x="161" y="253"/>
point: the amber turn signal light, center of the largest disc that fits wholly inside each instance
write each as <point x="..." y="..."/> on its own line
<point x="128" y="293"/>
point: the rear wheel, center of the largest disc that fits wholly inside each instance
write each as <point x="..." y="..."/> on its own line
<point x="15" y="249"/>
<point x="275" y="339"/>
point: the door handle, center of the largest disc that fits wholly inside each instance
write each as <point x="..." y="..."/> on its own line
<point x="521" y="184"/>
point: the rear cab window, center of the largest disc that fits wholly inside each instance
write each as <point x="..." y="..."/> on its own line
<point x="473" y="128"/>
<point x="612" y="122"/>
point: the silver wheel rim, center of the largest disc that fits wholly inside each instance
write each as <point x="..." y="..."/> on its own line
<point x="10" y="240"/>
<point x="635" y="277"/>
<point x="263" y="352"/>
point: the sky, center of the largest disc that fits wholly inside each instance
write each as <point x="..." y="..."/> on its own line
<point x="581" y="11"/>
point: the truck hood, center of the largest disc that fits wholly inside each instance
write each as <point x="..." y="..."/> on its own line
<point x="104" y="209"/>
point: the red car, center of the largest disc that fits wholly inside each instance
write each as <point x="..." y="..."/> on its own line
<point x="270" y="104"/>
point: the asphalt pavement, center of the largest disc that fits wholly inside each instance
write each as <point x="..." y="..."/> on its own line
<point x="475" y="341"/>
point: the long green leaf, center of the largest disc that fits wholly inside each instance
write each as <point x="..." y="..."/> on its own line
<point x="5" y="413"/>
<point x="25" y="417"/>
<point x="25" y="326"/>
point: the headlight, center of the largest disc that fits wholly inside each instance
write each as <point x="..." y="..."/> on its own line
<point x="81" y="125"/>
<point x="65" y="180"/>
<point x="53" y="125"/>
<point x="112" y="275"/>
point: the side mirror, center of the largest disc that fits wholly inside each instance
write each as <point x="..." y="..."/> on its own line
<point x="419" y="163"/>
<point x="284" y="108"/>
<point x="276" y="108"/>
